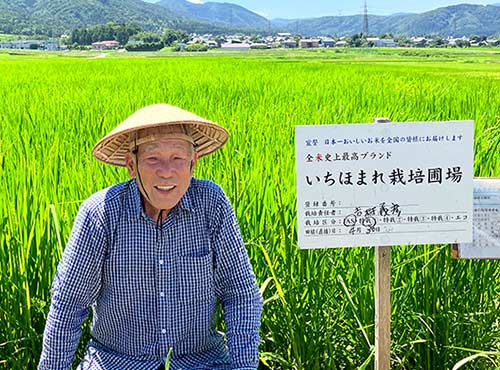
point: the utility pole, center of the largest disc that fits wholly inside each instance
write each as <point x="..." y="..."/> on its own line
<point x="365" y="19"/>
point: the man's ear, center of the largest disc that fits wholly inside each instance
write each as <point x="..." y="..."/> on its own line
<point x="129" y="160"/>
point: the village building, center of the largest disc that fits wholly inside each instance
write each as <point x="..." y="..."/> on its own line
<point x="289" y="44"/>
<point x="259" y="45"/>
<point x="420" y="41"/>
<point x="49" y="45"/>
<point x="385" y="43"/>
<point x="211" y="44"/>
<point x="327" y="43"/>
<point x="105" y="45"/>
<point x="236" y="46"/>
<point x="309" y="43"/>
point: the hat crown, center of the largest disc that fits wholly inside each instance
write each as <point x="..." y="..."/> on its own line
<point x="160" y="113"/>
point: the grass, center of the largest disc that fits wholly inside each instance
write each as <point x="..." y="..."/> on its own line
<point x="319" y="303"/>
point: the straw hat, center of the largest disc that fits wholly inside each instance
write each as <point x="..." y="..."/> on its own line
<point x="156" y="120"/>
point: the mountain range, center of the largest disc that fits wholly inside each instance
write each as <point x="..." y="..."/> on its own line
<point x="455" y="20"/>
<point x="55" y="17"/>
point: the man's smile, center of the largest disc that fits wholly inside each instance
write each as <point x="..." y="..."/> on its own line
<point x="165" y="188"/>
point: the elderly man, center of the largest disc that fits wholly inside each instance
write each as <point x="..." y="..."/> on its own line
<point x="152" y="256"/>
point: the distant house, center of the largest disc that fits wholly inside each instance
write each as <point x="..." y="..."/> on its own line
<point x="211" y="44"/>
<point x="235" y="46"/>
<point x="105" y="45"/>
<point x="309" y="43"/>
<point x="458" y="41"/>
<point x="385" y="43"/>
<point x="341" y="44"/>
<point x="260" y="45"/>
<point x="451" y="41"/>
<point x="233" y="40"/>
<point x="328" y="43"/>
<point x="420" y="41"/>
<point x="289" y="44"/>
<point x="51" y="44"/>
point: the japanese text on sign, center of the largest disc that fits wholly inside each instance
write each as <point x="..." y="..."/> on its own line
<point x="381" y="184"/>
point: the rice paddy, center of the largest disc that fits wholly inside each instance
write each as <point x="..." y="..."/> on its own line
<point x="319" y="309"/>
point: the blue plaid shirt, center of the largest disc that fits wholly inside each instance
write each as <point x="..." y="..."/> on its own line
<point x="153" y="287"/>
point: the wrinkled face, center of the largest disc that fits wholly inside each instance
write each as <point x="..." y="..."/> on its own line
<point x="163" y="172"/>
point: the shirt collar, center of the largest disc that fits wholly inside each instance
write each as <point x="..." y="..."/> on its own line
<point x="134" y="204"/>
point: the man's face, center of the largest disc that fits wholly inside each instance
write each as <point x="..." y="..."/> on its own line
<point x="163" y="173"/>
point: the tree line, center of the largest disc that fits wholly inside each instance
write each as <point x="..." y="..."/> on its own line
<point x="125" y="33"/>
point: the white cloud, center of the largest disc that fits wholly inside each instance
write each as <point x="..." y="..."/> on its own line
<point x="196" y="1"/>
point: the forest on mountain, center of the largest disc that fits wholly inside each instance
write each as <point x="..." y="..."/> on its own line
<point x="457" y="20"/>
<point x="56" y="17"/>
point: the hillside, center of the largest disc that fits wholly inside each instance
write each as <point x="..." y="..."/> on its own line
<point x="227" y="13"/>
<point x="59" y="16"/>
<point x="456" y="20"/>
<point x="55" y="17"/>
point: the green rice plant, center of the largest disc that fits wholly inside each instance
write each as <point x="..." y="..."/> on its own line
<point x="319" y="310"/>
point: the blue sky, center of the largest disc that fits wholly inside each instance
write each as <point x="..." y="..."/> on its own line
<point x="317" y="8"/>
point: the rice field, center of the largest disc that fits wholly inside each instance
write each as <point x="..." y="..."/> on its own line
<point x="319" y="308"/>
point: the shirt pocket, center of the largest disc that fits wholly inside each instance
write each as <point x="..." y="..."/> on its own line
<point x="195" y="277"/>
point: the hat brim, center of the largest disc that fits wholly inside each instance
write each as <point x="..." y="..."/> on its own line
<point x="207" y="136"/>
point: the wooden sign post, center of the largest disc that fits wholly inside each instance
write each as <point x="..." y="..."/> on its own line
<point x="382" y="301"/>
<point x="382" y="308"/>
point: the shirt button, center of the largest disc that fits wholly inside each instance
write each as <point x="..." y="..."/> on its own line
<point x="162" y="294"/>
<point x="161" y="262"/>
<point x="163" y="331"/>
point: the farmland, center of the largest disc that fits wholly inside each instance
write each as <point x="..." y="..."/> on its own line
<point x="319" y="306"/>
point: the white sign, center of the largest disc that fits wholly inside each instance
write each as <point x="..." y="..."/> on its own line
<point x="384" y="184"/>
<point x="486" y="221"/>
